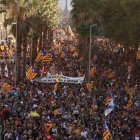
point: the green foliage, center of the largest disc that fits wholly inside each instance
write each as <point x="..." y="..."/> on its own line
<point x="121" y="21"/>
<point x="85" y="13"/>
<point x="46" y="12"/>
<point x="84" y="30"/>
<point x="42" y="12"/>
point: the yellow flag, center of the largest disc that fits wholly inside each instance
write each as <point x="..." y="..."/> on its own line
<point x="2" y="48"/>
<point x="34" y="114"/>
<point x="89" y="87"/>
<point x="5" y="88"/>
<point x="58" y="79"/>
<point x="130" y="91"/>
<point x="56" y="85"/>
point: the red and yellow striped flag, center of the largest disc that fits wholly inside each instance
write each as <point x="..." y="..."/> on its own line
<point x="92" y="72"/>
<point x="56" y="85"/>
<point x="106" y="132"/>
<point x="56" y="112"/>
<point x="40" y="55"/>
<point x="48" y="126"/>
<point x="47" y="58"/>
<point x="31" y="73"/>
<point x="108" y="100"/>
<point x="130" y="103"/>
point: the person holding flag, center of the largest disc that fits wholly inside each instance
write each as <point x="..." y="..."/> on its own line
<point x="106" y="132"/>
<point x="40" y="56"/>
<point x="109" y="104"/>
<point x="31" y="73"/>
<point x="56" y="85"/>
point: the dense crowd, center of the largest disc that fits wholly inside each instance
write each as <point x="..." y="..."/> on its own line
<point x="81" y="112"/>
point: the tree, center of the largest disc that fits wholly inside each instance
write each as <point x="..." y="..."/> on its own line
<point x="25" y="31"/>
<point x="121" y="21"/>
<point x="48" y="12"/>
<point x="42" y="22"/>
<point x="34" y="17"/>
<point x="18" y="10"/>
<point x="84" y="14"/>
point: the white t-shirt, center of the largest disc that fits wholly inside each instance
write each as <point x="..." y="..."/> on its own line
<point x="84" y="134"/>
<point x="137" y="138"/>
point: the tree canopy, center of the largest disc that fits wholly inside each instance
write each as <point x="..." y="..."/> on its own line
<point x="84" y="14"/>
<point x="35" y="20"/>
<point x="121" y="21"/>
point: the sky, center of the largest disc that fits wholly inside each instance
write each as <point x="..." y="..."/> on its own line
<point x="62" y="4"/>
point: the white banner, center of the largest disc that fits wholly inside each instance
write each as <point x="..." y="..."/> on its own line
<point x="63" y="79"/>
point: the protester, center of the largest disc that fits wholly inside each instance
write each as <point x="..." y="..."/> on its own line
<point x="34" y="111"/>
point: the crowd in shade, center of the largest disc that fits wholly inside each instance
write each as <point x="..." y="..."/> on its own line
<point x="106" y="108"/>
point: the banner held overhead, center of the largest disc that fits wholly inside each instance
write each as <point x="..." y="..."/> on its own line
<point x="63" y="79"/>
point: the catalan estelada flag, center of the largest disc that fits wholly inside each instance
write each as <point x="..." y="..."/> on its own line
<point x="57" y="111"/>
<point x="31" y="73"/>
<point x="130" y="103"/>
<point x="110" y="75"/>
<point x="49" y="57"/>
<point x="108" y="100"/>
<point x="40" y="55"/>
<point x="106" y="132"/>
<point x="48" y="126"/>
<point x="109" y="104"/>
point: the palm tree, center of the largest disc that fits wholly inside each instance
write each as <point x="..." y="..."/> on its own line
<point x="34" y="24"/>
<point x="36" y="17"/>
<point x="25" y="31"/>
<point x="17" y="10"/>
<point x="43" y="23"/>
<point x="48" y="12"/>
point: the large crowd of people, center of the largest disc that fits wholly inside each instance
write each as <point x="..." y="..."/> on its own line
<point x="33" y="111"/>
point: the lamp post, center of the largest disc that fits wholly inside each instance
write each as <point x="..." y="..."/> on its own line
<point x="15" y="23"/>
<point x="91" y="26"/>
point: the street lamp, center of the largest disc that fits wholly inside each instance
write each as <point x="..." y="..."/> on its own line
<point x="91" y="26"/>
<point x="15" y="23"/>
